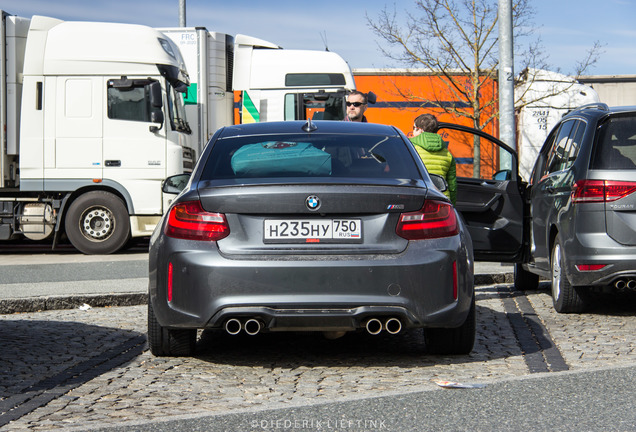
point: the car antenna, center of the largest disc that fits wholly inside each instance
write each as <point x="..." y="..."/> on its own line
<point x="309" y="126"/>
<point x="323" y="35"/>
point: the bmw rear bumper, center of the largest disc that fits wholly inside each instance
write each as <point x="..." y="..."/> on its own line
<point x="317" y="292"/>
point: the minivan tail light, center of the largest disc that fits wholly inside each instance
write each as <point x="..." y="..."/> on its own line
<point x="188" y="220"/>
<point x="588" y="191"/>
<point x="435" y="220"/>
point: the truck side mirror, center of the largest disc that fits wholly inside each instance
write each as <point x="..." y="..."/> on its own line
<point x="156" y="114"/>
<point x="155" y="94"/>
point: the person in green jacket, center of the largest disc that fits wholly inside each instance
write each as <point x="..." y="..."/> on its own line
<point x="436" y="157"/>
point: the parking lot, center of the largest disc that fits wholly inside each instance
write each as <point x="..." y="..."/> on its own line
<point x="90" y="368"/>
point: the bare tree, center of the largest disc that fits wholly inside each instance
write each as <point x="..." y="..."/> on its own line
<point x="457" y="41"/>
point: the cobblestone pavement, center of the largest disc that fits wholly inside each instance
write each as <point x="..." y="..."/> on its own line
<point x="89" y="369"/>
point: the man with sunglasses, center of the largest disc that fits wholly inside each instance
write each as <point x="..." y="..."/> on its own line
<point x="356" y="106"/>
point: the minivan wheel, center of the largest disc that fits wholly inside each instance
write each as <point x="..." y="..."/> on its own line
<point x="565" y="297"/>
<point x="525" y="280"/>
<point x="169" y="342"/>
<point x="452" y="341"/>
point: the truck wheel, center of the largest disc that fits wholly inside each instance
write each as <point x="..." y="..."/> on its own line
<point x="97" y="222"/>
<point x="169" y="342"/>
<point x="525" y="280"/>
<point x="452" y="341"/>
<point x="565" y="297"/>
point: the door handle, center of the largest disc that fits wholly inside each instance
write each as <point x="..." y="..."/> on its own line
<point x="112" y="163"/>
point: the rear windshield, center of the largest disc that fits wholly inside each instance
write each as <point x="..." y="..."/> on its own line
<point x="310" y="156"/>
<point x="615" y="146"/>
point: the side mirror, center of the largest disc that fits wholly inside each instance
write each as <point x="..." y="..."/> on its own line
<point x="155" y="94"/>
<point x="156" y="116"/>
<point x="439" y="182"/>
<point x="502" y="175"/>
<point x="156" y="113"/>
<point x="175" y="184"/>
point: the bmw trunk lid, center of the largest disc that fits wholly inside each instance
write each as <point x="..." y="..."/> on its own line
<point x="312" y="219"/>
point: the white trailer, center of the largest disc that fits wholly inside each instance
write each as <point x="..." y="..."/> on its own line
<point x="92" y="122"/>
<point x="242" y="79"/>
<point x="545" y="97"/>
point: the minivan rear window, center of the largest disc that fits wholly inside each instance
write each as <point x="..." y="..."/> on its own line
<point x="615" y="146"/>
<point x="310" y="156"/>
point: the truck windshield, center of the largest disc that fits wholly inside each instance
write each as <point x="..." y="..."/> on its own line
<point x="176" y="108"/>
<point x="315" y="106"/>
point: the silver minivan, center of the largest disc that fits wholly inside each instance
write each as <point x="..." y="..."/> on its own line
<point x="575" y="222"/>
<point x="582" y="207"/>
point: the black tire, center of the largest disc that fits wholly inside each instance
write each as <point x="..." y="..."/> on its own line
<point x="169" y="342"/>
<point x="452" y="341"/>
<point x="525" y="280"/>
<point x="97" y="222"/>
<point x="565" y="297"/>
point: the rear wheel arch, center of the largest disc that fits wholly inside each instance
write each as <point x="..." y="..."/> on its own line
<point x="453" y="341"/>
<point x="169" y="342"/>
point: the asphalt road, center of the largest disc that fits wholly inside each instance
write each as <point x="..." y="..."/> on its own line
<point x="597" y="400"/>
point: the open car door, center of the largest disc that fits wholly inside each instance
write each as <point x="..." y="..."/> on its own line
<point x="489" y="192"/>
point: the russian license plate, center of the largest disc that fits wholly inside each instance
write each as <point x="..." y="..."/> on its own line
<point x="312" y="230"/>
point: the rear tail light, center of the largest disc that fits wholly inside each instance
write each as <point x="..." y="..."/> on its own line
<point x="189" y="221"/>
<point x="601" y="190"/>
<point x="436" y="219"/>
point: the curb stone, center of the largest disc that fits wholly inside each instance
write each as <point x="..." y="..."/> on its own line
<point x="39" y="304"/>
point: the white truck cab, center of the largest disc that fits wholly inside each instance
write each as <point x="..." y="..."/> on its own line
<point x="94" y="122"/>
<point x="243" y="79"/>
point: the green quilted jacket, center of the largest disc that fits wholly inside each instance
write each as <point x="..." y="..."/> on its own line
<point x="438" y="160"/>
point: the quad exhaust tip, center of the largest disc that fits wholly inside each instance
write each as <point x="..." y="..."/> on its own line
<point x="233" y="326"/>
<point x="251" y="326"/>
<point x="374" y="326"/>
<point x="392" y="326"/>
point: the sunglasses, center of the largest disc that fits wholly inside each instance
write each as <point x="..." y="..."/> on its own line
<point x="355" y="104"/>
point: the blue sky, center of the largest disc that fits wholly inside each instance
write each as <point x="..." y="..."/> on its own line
<point x="567" y="28"/>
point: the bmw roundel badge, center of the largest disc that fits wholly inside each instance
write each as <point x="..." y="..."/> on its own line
<point x="312" y="202"/>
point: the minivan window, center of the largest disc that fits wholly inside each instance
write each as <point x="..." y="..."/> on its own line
<point x="558" y="157"/>
<point x="310" y="156"/>
<point x="574" y="144"/>
<point x="615" y="145"/>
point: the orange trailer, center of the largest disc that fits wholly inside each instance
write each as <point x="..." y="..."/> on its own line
<point x="401" y="97"/>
